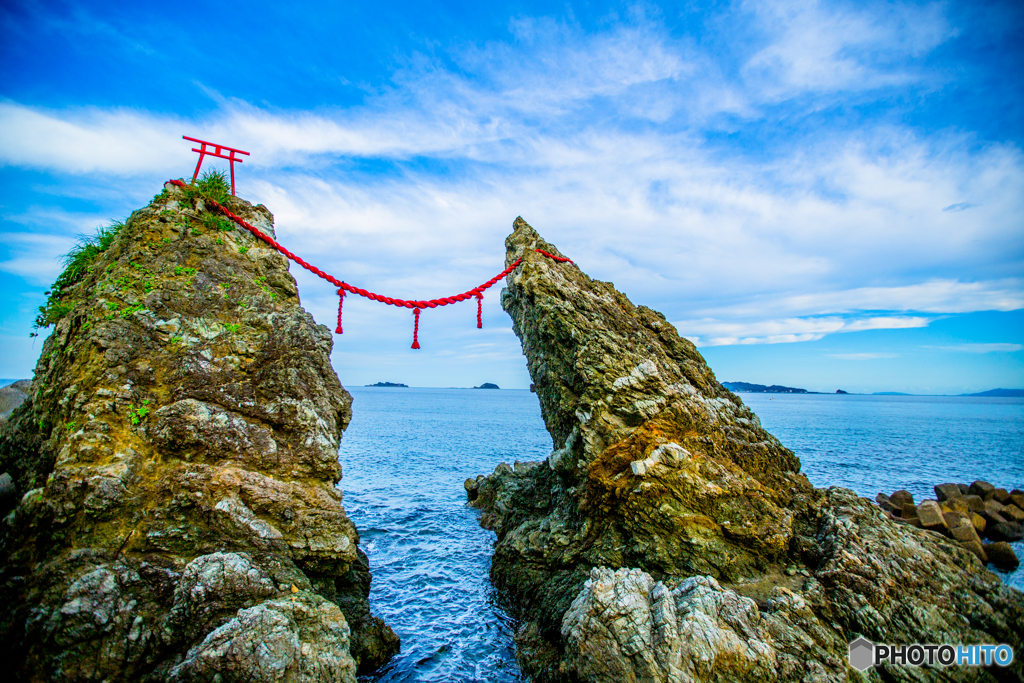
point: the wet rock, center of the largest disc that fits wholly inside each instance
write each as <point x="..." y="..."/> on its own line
<point x="901" y="498"/>
<point x="1012" y="513"/>
<point x="1017" y="498"/>
<point x="930" y="514"/>
<point x="954" y="505"/>
<point x="968" y="538"/>
<point x="947" y="492"/>
<point x="983" y="489"/>
<point x="955" y="519"/>
<point x="1002" y="495"/>
<point x="669" y="537"/>
<point x="1005" y="531"/>
<point x="974" y="503"/>
<point x="992" y="512"/>
<point x="886" y="504"/>
<point x="1001" y="555"/>
<point x="964" y="489"/>
<point x="177" y="513"/>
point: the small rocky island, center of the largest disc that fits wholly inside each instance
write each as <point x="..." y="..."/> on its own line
<point x="669" y="537"/>
<point x="388" y="384"/>
<point x="487" y="385"/>
<point x="175" y="514"/>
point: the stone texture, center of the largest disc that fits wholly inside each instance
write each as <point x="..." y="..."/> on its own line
<point x="12" y="396"/>
<point x="930" y="514"/>
<point x="1013" y="513"/>
<point x="669" y="537"/>
<point x="176" y="465"/>
<point x="1001" y="555"/>
<point x="1005" y="531"/>
<point x="947" y="492"/>
<point x="974" y="503"/>
<point x="981" y="488"/>
<point x="901" y="498"/>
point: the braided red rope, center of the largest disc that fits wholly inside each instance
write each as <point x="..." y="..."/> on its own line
<point x="343" y="287"/>
<point x="341" y="300"/>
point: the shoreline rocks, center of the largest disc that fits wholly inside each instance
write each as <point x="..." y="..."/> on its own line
<point x="669" y="537"/>
<point x="176" y="516"/>
<point x="967" y="514"/>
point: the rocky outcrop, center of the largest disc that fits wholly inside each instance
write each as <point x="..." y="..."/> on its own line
<point x="669" y="537"/>
<point x="175" y="466"/>
<point x="12" y="396"/>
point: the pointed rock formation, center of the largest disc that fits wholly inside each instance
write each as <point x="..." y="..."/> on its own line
<point x="669" y="537"/>
<point x="177" y="516"/>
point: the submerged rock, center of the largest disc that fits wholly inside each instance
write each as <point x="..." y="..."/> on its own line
<point x="176" y="466"/>
<point x="669" y="537"/>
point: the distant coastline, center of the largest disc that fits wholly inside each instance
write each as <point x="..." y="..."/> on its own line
<point x="387" y="384"/>
<point x="751" y="388"/>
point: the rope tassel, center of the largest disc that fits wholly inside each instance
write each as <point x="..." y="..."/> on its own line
<point x="341" y="301"/>
<point x="416" y="330"/>
<point x="343" y="288"/>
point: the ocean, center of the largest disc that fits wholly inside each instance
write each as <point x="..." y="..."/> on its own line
<point x="407" y="452"/>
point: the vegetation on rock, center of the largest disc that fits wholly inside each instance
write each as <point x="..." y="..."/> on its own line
<point x="176" y="515"/>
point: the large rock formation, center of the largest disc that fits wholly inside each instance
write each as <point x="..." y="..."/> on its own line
<point x="177" y="516"/>
<point x="669" y="537"/>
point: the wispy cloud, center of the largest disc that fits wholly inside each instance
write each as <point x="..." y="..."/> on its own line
<point x="608" y="142"/>
<point x="984" y="348"/>
<point x="709" y="332"/>
<point x="819" y="46"/>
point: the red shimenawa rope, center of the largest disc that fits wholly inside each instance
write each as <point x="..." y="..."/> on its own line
<point x="343" y="287"/>
<point x="341" y="300"/>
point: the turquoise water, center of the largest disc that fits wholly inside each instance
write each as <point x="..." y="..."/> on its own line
<point x="407" y="452"/>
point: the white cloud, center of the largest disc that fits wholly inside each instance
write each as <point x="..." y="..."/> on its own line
<point x="711" y="332"/>
<point x="819" y="46"/>
<point x="984" y="348"/>
<point x="601" y="141"/>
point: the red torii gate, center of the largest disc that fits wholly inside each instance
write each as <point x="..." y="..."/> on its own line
<point x="216" y="153"/>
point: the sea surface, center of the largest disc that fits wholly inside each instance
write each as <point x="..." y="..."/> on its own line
<point x="407" y="452"/>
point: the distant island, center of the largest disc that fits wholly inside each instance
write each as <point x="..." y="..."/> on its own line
<point x="750" y="388"/>
<point x="1000" y="393"/>
<point x="487" y="385"/>
<point x="388" y="384"/>
<point x="762" y="389"/>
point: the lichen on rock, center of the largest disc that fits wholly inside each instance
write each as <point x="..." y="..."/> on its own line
<point x="669" y="537"/>
<point x="176" y="469"/>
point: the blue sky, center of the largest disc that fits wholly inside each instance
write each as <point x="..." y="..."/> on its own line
<point x="820" y="194"/>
